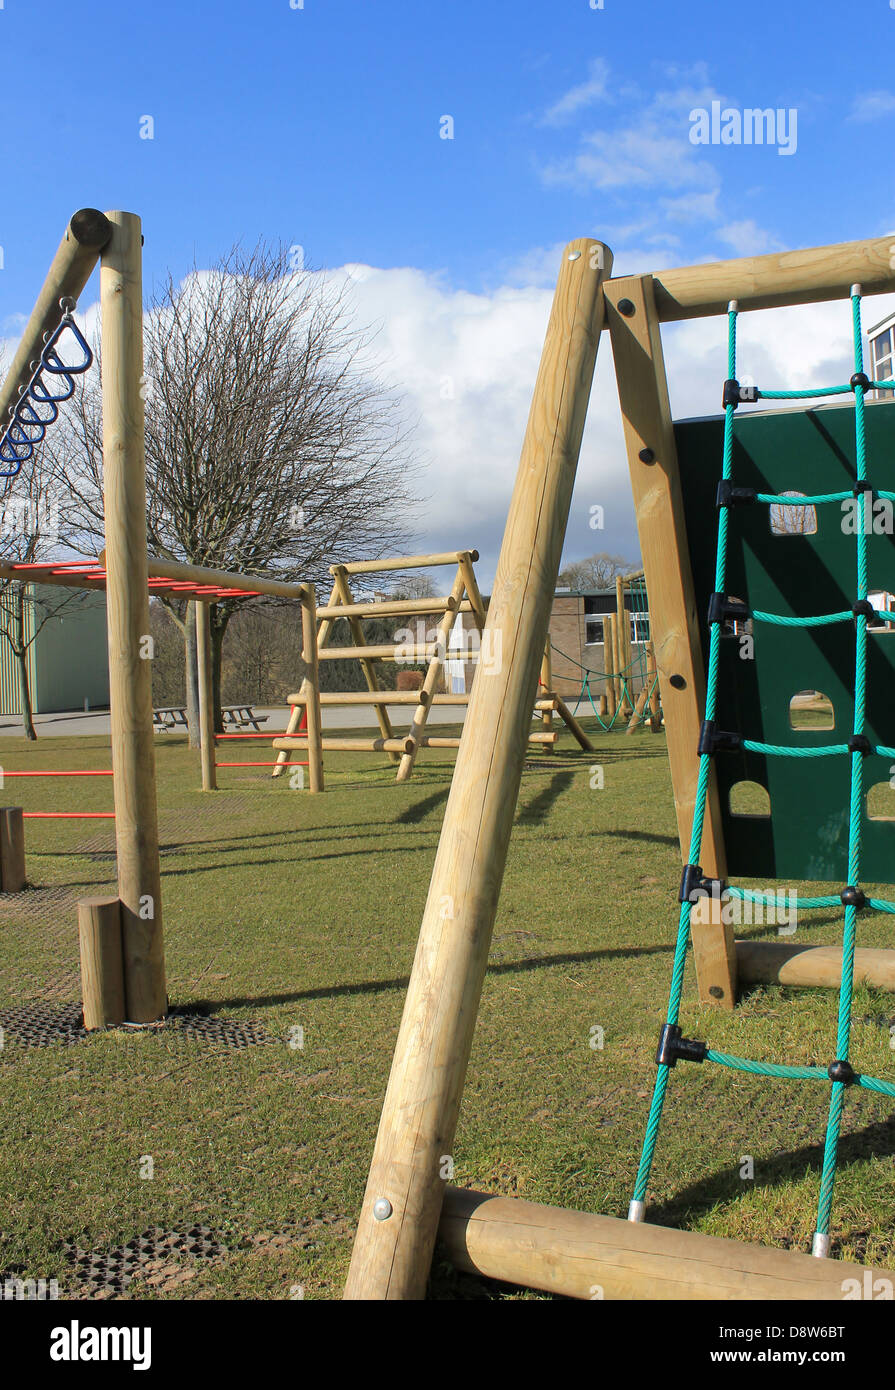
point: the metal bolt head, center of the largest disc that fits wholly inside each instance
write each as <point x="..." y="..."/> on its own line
<point x="647" y="456"/>
<point x="382" y="1209"/>
<point x="574" y="255"/>
<point x="627" y="307"/>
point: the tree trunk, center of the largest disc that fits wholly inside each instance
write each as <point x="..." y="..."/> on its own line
<point x="220" y="617"/>
<point x="21" y="651"/>
<point x="191" y="673"/>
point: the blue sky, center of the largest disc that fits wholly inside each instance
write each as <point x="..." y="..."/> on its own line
<point x="320" y="126"/>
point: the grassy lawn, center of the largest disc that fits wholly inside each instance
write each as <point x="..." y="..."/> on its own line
<point x="284" y="912"/>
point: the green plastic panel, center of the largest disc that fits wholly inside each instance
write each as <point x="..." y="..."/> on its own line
<point x="811" y="452"/>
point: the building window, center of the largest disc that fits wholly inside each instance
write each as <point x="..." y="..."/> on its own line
<point x="639" y="627"/>
<point x="594" y="632"/>
<point x="882" y="359"/>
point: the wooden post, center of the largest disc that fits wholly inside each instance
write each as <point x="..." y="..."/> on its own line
<point x="655" y="480"/>
<point x="130" y="679"/>
<point x="102" y="970"/>
<point x="398" y="1221"/>
<point x="206" y="696"/>
<point x="573" y="726"/>
<point x="546" y="684"/>
<point x="12" y="850"/>
<point x="655" y="721"/>
<point x="311" y="691"/>
<point x="639" y="707"/>
<point x="609" y="664"/>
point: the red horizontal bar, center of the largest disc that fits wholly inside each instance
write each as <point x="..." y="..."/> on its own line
<point x="68" y="815"/>
<point x="6" y="773"/>
<point x="271" y="733"/>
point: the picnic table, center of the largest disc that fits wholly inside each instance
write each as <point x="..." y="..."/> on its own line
<point x="234" y="717"/>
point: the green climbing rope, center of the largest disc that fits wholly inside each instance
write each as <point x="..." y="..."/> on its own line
<point x="839" y="1074"/>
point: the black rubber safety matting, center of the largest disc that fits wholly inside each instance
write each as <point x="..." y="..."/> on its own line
<point x="42" y="1025"/>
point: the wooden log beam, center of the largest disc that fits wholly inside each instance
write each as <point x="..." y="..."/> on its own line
<point x="404" y="562"/>
<point x="127" y="610"/>
<point x="86" y="235"/>
<point x="378" y="697"/>
<point x="573" y="726"/>
<point x="389" y="608"/>
<point x="223" y="579"/>
<point x="102" y="970"/>
<point x="344" y="745"/>
<point x="386" y="652"/>
<point x="399" y="1218"/>
<point x="809" y="276"/>
<point x="785" y="963"/>
<point x="576" y="1254"/>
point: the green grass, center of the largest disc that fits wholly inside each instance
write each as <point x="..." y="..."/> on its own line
<point x="286" y="910"/>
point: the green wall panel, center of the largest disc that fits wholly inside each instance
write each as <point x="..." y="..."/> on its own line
<point x="810" y="451"/>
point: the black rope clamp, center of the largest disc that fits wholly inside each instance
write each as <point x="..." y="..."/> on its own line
<point x="842" y="1071"/>
<point x="863" y="608"/>
<point x="695" y="885"/>
<point x="862" y="485"/>
<point x="715" y="740"/>
<point x="734" y="393"/>
<point x="859" y="743"/>
<point x="860" y="379"/>
<point x="673" y="1048"/>
<point x="730" y="496"/>
<point x="722" y="608"/>
<point x="852" y="896"/>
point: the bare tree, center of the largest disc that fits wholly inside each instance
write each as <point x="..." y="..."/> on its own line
<point x="598" y="571"/>
<point x="271" y="446"/>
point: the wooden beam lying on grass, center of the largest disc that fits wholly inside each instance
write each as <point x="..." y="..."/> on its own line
<point x="785" y="963"/>
<point x="578" y="1255"/>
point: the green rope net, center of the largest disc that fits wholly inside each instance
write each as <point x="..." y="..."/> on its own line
<point x="840" y="1068"/>
<point x="630" y="679"/>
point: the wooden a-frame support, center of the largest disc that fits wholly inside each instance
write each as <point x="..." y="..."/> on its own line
<point x="406" y="1196"/>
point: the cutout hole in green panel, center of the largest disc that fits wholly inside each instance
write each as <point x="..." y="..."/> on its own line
<point x="811" y="709"/>
<point x="881" y="801"/>
<point x="792" y="519"/>
<point x="750" y="799"/>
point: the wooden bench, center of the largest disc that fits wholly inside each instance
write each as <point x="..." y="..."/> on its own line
<point x="243" y="717"/>
<point x="169" y="717"/>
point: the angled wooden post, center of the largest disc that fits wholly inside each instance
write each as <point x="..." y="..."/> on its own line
<point x="340" y="574"/>
<point x="296" y="714"/>
<point x="436" y="665"/>
<point x="206" y="696"/>
<point x="398" y="1221"/>
<point x="130" y="667"/>
<point x="655" y="480"/>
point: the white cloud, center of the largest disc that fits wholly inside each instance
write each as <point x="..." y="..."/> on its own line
<point x="872" y="106"/>
<point x="578" y="98"/>
<point x="746" y="238"/>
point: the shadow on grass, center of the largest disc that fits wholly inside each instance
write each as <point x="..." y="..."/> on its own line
<point x="537" y="809"/>
<point x="874" y="1140"/>
<point x="402" y="981"/>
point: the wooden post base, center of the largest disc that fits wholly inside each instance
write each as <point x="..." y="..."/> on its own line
<point x="102" y="969"/>
<point x="12" y="850"/>
<point x="579" y="1255"/>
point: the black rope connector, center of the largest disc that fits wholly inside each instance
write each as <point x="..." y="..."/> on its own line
<point x="860" y="379"/>
<point x="862" y="485"/>
<point x="730" y="496"/>
<point x="722" y="608"/>
<point x="863" y="608"/>
<point x="859" y="743"/>
<point x="695" y="885"/>
<point x="734" y="393"/>
<point x="673" y="1048"/>
<point x="715" y="740"/>
<point x="852" y="896"/>
<point x="842" y="1071"/>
